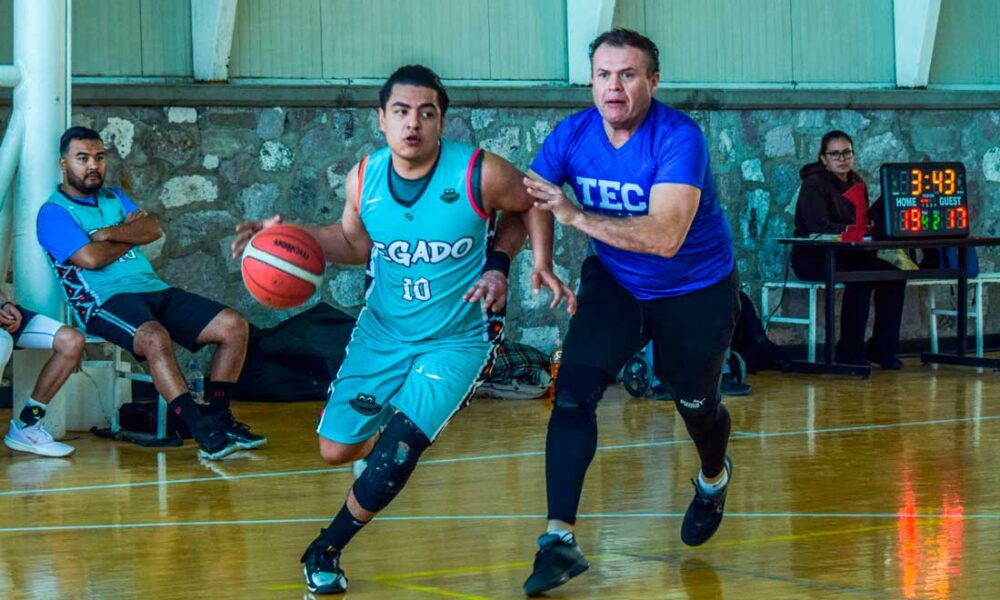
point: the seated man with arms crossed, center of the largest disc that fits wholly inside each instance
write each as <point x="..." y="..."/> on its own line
<point x="92" y="235"/>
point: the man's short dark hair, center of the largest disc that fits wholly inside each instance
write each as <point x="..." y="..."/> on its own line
<point x="417" y="75"/>
<point x="620" y="37"/>
<point x="76" y="133"/>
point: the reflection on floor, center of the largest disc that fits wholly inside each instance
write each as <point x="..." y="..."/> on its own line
<point x="885" y="488"/>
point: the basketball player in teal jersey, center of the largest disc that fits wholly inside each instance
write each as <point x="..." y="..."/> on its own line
<point x="421" y="212"/>
<point x="92" y="235"/>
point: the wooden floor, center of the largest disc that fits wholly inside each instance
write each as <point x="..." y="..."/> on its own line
<point x="885" y="488"/>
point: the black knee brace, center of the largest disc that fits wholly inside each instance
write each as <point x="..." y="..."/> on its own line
<point x="580" y="388"/>
<point x="390" y="463"/>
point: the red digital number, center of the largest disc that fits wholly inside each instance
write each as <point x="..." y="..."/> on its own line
<point x="912" y="220"/>
<point x="958" y="218"/>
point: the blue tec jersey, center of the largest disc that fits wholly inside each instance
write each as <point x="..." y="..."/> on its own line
<point x="668" y="147"/>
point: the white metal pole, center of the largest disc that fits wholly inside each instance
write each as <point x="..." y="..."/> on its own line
<point x="68" y="70"/>
<point x="40" y="54"/>
<point x="40" y="98"/>
<point x="10" y="153"/>
<point x="9" y="75"/>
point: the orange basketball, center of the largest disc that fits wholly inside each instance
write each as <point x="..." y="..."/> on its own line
<point x="282" y="266"/>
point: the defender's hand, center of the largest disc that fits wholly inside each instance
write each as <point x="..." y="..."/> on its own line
<point x="551" y="198"/>
<point x="246" y="230"/>
<point x="491" y="289"/>
<point x="560" y="290"/>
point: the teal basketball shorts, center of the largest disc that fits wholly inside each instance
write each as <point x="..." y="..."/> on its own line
<point x="428" y="381"/>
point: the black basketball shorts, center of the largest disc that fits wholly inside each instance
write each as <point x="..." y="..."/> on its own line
<point x="690" y="333"/>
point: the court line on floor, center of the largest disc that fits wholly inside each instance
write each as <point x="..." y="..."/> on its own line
<point x="810" y="584"/>
<point x="667" y="552"/>
<point x="499" y="517"/>
<point x="612" y="556"/>
<point x="736" y="436"/>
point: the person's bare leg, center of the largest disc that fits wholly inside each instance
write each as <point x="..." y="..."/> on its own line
<point x="152" y="342"/>
<point x="67" y="349"/>
<point x="230" y="332"/>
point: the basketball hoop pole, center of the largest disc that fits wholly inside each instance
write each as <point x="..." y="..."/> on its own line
<point x="40" y="41"/>
<point x="41" y="101"/>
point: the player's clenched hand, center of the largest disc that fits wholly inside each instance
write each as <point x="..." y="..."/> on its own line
<point x="10" y="317"/>
<point x="491" y="289"/>
<point x="135" y="215"/>
<point x="551" y="198"/>
<point x="246" y="230"/>
<point x="560" y="290"/>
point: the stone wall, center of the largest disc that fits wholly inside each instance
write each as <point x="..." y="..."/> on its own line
<point x="204" y="169"/>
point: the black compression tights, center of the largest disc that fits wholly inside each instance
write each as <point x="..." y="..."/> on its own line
<point x="710" y="433"/>
<point x="569" y="448"/>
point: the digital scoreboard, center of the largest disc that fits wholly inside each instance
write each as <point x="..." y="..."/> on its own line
<point x="925" y="200"/>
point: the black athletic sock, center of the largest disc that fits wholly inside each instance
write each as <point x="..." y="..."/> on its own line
<point x="569" y="448"/>
<point x="711" y="437"/>
<point x="220" y="395"/>
<point x="184" y="407"/>
<point x="341" y="530"/>
<point x="31" y="414"/>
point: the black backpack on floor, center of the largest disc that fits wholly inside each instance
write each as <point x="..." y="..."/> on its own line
<point x="298" y="358"/>
<point x="751" y="341"/>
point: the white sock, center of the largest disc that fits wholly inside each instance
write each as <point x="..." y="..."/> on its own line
<point x="564" y="534"/>
<point x="715" y="487"/>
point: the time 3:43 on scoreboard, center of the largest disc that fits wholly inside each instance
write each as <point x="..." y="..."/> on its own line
<point x="925" y="200"/>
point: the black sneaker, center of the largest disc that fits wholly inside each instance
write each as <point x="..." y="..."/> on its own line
<point x="557" y="561"/>
<point x="240" y="433"/>
<point x="213" y="442"/>
<point x="321" y="567"/>
<point x="704" y="514"/>
<point x="729" y="386"/>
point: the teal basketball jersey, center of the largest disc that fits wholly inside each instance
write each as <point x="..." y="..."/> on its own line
<point x="87" y="289"/>
<point x="425" y="254"/>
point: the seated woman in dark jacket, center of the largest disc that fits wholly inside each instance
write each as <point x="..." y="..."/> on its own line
<point x="823" y="207"/>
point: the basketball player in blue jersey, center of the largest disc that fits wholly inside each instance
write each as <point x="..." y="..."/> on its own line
<point x="421" y="213"/>
<point x="93" y="235"/>
<point x="662" y="270"/>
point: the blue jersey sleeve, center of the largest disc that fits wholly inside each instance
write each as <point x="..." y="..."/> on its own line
<point x="58" y="233"/>
<point x="550" y="162"/>
<point x="685" y="158"/>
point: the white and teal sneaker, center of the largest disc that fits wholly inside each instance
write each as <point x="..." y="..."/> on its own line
<point x="321" y="567"/>
<point x="34" y="439"/>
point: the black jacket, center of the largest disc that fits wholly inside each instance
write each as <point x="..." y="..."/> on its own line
<point x="821" y="208"/>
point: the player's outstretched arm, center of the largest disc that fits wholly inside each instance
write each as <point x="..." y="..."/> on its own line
<point x="344" y="243"/>
<point x="672" y="207"/>
<point x="502" y="190"/>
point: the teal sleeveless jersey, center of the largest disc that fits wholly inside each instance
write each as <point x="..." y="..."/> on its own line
<point x="425" y="255"/>
<point x="87" y="289"/>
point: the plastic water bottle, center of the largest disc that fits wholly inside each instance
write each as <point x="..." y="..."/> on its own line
<point x="196" y="381"/>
